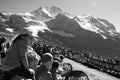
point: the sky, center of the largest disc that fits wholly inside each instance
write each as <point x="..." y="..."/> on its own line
<point x="106" y="9"/>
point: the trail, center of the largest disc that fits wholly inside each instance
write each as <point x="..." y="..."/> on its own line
<point x="92" y="73"/>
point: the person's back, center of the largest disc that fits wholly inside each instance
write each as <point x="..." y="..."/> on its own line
<point x="54" y="68"/>
<point x="43" y="74"/>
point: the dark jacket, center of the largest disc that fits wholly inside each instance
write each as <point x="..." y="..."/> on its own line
<point x="53" y="71"/>
<point x="42" y="73"/>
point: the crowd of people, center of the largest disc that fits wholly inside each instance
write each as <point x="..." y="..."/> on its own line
<point x="38" y="59"/>
<point x="22" y="59"/>
<point x="107" y="65"/>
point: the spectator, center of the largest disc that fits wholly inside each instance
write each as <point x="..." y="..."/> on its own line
<point x="54" y="68"/>
<point x="33" y="59"/>
<point x="2" y="40"/>
<point x="43" y="72"/>
<point x="56" y="55"/>
<point x="3" y="47"/>
<point x="61" y="58"/>
<point x="15" y="62"/>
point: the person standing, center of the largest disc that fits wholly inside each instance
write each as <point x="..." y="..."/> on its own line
<point x="43" y="71"/>
<point x="54" y="68"/>
<point x="16" y="62"/>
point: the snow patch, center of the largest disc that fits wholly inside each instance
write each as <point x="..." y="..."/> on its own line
<point x="9" y="29"/>
<point x="111" y="32"/>
<point x="25" y="14"/>
<point x="86" y="16"/>
<point x="44" y="10"/>
<point x="29" y="19"/>
<point x="36" y="28"/>
<point x="102" y="23"/>
<point x="104" y="37"/>
<point x="85" y="24"/>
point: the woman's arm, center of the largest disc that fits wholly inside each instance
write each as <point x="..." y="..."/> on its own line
<point x="25" y="62"/>
<point x="23" y="57"/>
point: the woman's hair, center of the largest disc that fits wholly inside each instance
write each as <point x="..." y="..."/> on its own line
<point x="21" y="37"/>
<point x="33" y="56"/>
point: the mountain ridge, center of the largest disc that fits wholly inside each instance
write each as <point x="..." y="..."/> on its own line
<point x="84" y="32"/>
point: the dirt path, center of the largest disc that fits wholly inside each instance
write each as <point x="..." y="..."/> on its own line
<point x="92" y="73"/>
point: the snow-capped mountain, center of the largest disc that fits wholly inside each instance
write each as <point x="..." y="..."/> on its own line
<point x="84" y="32"/>
<point x="97" y="25"/>
<point x="45" y="13"/>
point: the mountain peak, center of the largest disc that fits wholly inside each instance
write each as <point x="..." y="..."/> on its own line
<point x="40" y="8"/>
<point x="55" y="8"/>
<point x="86" y="16"/>
<point x="54" y="11"/>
